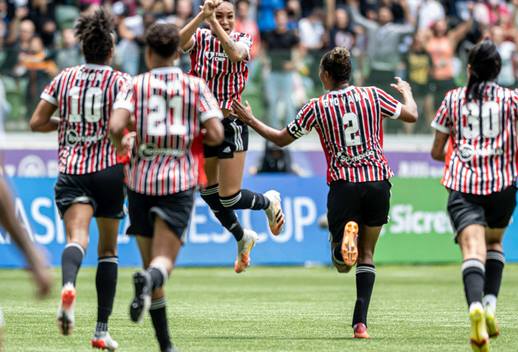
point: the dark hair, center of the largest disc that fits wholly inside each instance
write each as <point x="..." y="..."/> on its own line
<point x="337" y="62"/>
<point x="485" y="63"/>
<point x="163" y="39"/>
<point x="95" y="34"/>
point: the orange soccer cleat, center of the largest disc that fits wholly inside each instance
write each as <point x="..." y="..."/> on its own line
<point x="350" y="243"/>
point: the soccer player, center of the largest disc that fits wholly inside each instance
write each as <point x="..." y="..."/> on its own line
<point x="171" y="113"/>
<point x="220" y="57"/>
<point x="90" y="182"/>
<point x="481" y="121"/>
<point x="348" y="120"/>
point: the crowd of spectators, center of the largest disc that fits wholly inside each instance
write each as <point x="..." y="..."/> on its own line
<point x="424" y="41"/>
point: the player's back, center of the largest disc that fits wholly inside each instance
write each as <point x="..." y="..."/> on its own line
<point x="84" y="96"/>
<point x="484" y="137"/>
<point x="168" y="111"/>
<point x="349" y="122"/>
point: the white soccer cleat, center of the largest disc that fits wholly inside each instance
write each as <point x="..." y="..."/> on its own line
<point x="65" y="315"/>
<point x="274" y="212"/>
<point x="244" y="247"/>
<point x="103" y="341"/>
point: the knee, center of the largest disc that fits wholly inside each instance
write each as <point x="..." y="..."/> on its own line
<point x="79" y="236"/>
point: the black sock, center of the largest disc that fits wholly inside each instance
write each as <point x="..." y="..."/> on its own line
<point x="246" y="199"/>
<point x="227" y="217"/>
<point x="365" y="277"/>
<point x="158" y="277"/>
<point x="71" y="260"/>
<point x="106" y="284"/>
<point x="494" y="269"/>
<point x="473" y="277"/>
<point x="159" y="319"/>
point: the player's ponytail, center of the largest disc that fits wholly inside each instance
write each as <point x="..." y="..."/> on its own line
<point x="95" y="33"/>
<point x="337" y="62"/>
<point x="485" y="64"/>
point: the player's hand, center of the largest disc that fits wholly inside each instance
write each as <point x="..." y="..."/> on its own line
<point x="127" y="143"/>
<point x="402" y="86"/>
<point x="243" y="112"/>
<point x="208" y="8"/>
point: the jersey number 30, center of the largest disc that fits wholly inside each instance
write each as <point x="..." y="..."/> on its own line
<point x="489" y="116"/>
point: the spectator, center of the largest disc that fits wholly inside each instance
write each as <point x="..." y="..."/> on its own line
<point x="441" y="46"/>
<point x="383" y="39"/>
<point x="183" y="13"/>
<point x="490" y="12"/>
<point x="245" y="24"/>
<point x="427" y="11"/>
<point x="5" y="108"/>
<point x="266" y="15"/>
<point x="342" y="33"/>
<point x="281" y="44"/>
<point x="419" y="69"/>
<point x="18" y="41"/>
<point x="507" y="50"/>
<point x="69" y="53"/>
<point x="312" y="30"/>
<point x="42" y="14"/>
<point x="131" y="30"/>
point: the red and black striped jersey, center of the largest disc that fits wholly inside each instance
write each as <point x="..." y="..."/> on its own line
<point x="483" y="134"/>
<point x="168" y="108"/>
<point x="84" y="96"/>
<point x="349" y="124"/>
<point x="226" y="79"/>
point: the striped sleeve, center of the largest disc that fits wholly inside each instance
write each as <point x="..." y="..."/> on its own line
<point x="208" y="107"/>
<point x="126" y="97"/>
<point x="245" y="40"/>
<point x="389" y="106"/>
<point x="514" y="99"/>
<point x="442" y="121"/>
<point x="304" y="122"/>
<point x="196" y="40"/>
<point x="50" y="93"/>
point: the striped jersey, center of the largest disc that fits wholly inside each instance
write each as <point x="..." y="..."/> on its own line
<point x="483" y="134"/>
<point x="84" y="96"/>
<point x="168" y="108"/>
<point x="349" y="124"/>
<point x="226" y="79"/>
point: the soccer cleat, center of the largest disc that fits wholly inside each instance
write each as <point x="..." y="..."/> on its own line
<point x="65" y="315"/>
<point x="244" y="247"/>
<point x="142" y="300"/>
<point x="479" y="338"/>
<point x="350" y="243"/>
<point x="493" y="330"/>
<point x="103" y="341"/>
<point x="360" y="331"/>
<point x="274" y="212"/>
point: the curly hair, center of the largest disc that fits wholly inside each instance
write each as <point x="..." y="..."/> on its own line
<point x="337" y="62"/>
<point x="95" y="33"/>
<point x="163" y="39"/>
<point x="486" y="63"/>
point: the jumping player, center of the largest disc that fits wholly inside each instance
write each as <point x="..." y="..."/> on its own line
<point x="481" y="121"/>
<point x="348" y="120"/>
<point x="220" y="57"/>
<point x="90" y="182"/>
<point x="168" y="110"/>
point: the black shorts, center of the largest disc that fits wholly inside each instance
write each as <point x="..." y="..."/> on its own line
<point x="366" y="203"/>
<point x="174" y="209"/>
<point x="494" y="210"/>
<point x="236" y="140"/>
<point x="103" y="190"/>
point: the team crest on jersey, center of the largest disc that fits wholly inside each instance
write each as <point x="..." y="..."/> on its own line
<point x="466" y="152"/>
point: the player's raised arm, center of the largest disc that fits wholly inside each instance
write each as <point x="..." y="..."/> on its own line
<point x="222" y="23"/>
<point x="409" y="111"/>
<point x="187" y="32"/>
<point x="280" y="137"/>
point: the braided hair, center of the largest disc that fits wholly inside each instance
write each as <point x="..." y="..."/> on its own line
<point x="95" y="33"/>
<point x="485" y="63"/>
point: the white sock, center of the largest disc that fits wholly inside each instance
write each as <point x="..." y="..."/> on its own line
<point x="475" y="305"/>
<point x="489" y="302"/>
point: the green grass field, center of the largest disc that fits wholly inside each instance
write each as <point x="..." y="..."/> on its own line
<point x="270" y="309"/>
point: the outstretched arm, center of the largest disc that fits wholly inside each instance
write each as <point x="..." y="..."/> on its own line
<point x="280" y="137"/>
<point x="186" y="33"/>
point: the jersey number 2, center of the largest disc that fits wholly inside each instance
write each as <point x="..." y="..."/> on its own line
<point x="352" y="127"/>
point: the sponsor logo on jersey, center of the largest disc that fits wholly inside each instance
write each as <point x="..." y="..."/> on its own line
<point x="345" y="159"/>
<point x="212" y="55"/>
<point x="150" y="151"/>
<point x="73" y="138"/>
<point x="467" y="152"/>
